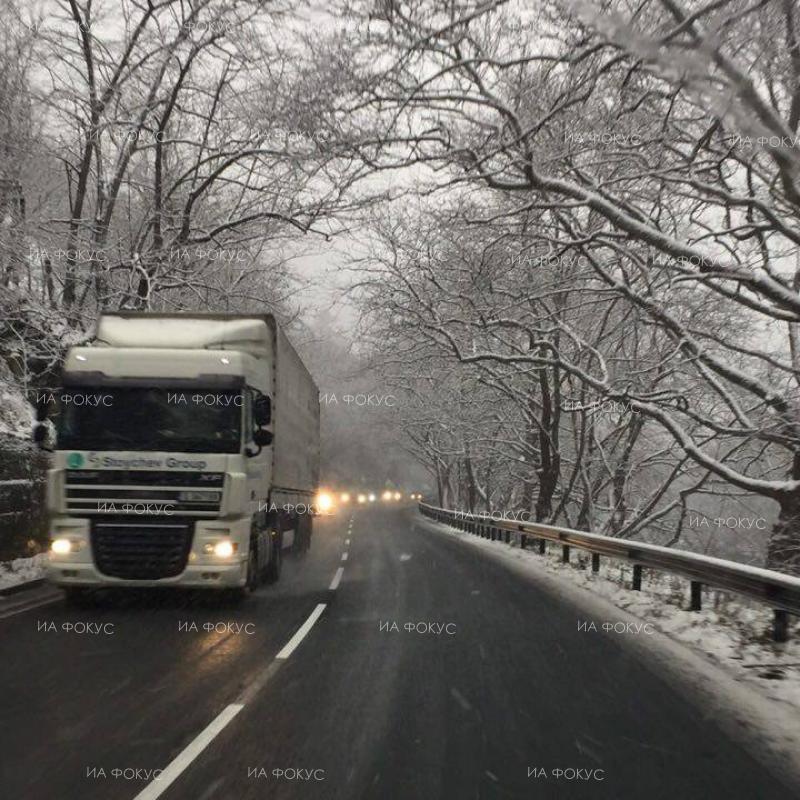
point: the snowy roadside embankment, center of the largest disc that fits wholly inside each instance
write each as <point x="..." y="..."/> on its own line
<point x="22" y="570"/>
<point x="733" y="631"/>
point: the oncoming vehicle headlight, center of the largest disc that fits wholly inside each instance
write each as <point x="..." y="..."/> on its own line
<point x="397" y="495"/>
<point x="387" y="495"/>
<point x="345" y="498"/>
<point x="362" y="498"/>
<point x="371" y="498"/>
<point x="324" y="502"/>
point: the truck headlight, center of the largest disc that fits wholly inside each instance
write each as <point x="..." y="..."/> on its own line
<point x="223" y="549"/>
<point x="61" y="547"/>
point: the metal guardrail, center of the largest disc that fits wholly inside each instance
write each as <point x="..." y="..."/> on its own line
<point x="780" y="592"/>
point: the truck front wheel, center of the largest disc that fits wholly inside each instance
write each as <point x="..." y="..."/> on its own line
<point x="276" y="559"/>
<point x="252" y="567"/>
<point x="302" y="533"/>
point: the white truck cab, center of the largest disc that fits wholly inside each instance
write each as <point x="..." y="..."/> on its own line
<point x="187" y="454"/>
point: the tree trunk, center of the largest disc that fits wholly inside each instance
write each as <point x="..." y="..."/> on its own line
<point x="550" y="465"/>
<point x="783" y="549"/>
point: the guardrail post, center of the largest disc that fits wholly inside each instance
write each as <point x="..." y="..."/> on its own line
<point x="780" y="628"/>
<point x="697" y="596"/>
<point x="595" y="562"/>
<point x="542" y="546"/>
<point x="637" y="577"/>
<point x="565" y="554"/>
<point x="522" y="541"/>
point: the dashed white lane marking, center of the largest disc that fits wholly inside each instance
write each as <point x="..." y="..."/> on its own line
<point x="344" y="556"/>
<point x="302" y="632"/>
<point x="189" y="754"/>
<point x="347" y="541"/>
<point x="336" y="579"/>
<point x="405" y="557"/>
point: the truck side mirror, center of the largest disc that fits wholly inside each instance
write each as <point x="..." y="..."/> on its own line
<point x="262" y="410"/>
<point x="262" y="438"/>
<point x="42" y="411"/>
<point x="40" y="433"/>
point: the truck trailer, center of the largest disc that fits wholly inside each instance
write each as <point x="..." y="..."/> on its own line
<point x="186" y="454"/>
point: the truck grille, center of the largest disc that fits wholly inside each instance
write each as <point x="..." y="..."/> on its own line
<point x="143" y="492"/>
<point x="145" y="550"/>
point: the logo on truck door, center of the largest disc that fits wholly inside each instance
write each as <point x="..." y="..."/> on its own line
<point x="75" y="460"/>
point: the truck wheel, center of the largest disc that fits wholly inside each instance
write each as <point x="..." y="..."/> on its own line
<point x="236" y="596"/>
<point x="302" y="533"/>
<point x="276" y="561"/>
<point x="253" y="578"/>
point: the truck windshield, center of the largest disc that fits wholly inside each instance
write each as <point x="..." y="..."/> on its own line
<point x="148" y="418"/>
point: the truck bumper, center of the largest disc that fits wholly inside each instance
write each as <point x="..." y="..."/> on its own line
<point x="78" y="568"/>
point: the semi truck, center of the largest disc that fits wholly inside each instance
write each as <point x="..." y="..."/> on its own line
<point x="186" y="454"/>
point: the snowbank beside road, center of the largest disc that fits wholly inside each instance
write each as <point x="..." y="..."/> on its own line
<point x="22" y="570"/>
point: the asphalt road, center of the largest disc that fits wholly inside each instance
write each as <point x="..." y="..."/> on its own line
<point x="323" y="692"/>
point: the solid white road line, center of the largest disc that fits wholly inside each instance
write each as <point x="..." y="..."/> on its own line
<point x="336" y="579"/>
<point x="302" y="632"/>
<point x="27" y="607"/>
<point x="189" y="754"/>
<point x="344" y="556"/>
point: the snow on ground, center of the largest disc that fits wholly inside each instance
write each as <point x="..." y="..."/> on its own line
<point x="733" y="631"/>
<point x="16" y="414"/>
<point x="22" y="570"/>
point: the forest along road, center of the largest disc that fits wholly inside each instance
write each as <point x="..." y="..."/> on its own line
<point x="413" y="667"/>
